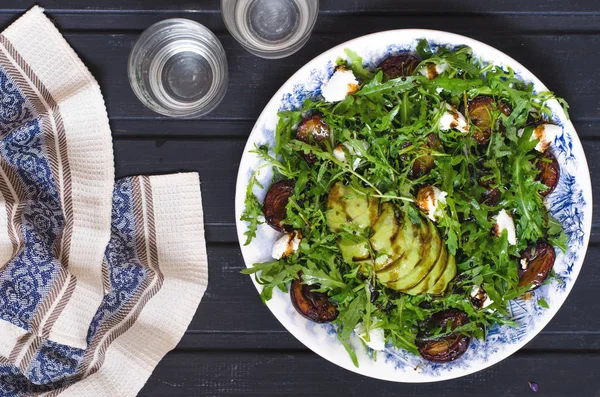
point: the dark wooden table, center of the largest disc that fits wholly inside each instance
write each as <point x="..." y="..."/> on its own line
<point x="234" y="345"/>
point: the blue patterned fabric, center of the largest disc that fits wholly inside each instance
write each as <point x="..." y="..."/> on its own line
<point x="15" y="109"/>
<point x="126" y="272"/>
<point x="68" y="311"/>
<point x="54" y="365"/>
<point x="29" y="275"/>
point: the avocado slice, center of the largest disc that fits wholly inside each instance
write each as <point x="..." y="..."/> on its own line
<point x="345" y="205"/>
<point x="354" y="251"/>
<point x="431" y="248"/>
<point x="448" y="275"/>
<point x="434" y="275"/>
<point x="385" y="231"/>
<point x="403" y="242"/>
<point x="419" y="240"/>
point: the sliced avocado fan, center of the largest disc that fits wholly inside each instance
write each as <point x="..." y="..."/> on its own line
<point x="406" y="257"/>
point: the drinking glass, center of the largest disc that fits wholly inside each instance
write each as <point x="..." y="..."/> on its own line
<point x="178" y="68"/>
<point x="270" y="28"/>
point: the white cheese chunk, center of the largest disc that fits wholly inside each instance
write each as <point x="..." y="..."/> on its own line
<point x="432" y="70"/>
<point x="341" y="84"/>
<point x="524" y="263"/>
<point x="429" y="199"/>
<point x="545" y="134"/>
<point x="376" y="335"/>
<point x="504" y="221"/>
<point x="286" y="245"/>
<point x="453" y="119"/>
<point x="339" y="154"/>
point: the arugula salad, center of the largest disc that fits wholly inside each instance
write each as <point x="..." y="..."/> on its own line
<point x="411" y="201"/>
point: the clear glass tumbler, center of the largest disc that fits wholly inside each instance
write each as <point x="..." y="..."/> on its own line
<point x="270" y="28"/>
<point x="178" y="68"/>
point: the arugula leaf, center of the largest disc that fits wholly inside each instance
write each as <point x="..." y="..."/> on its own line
<point x="331" y="280"/>
<point x="351" y="315"/>
<point x="398" y="85"/>
<point x="357" y="65"/>
<point x="424" y="50"/>
<point x="350" y="351"/>
<point x="253" y="210"/>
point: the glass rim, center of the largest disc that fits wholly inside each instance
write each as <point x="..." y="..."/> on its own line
<point x="274" y="54"/>
<point x="213" y="45"/>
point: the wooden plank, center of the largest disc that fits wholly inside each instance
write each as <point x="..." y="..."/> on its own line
<point x="328" y="23"/>
<point x="557" y="341"/>
<point x="168" y="128"/>
<point x="217" y="161"/>
<point x="557" y="60"/>
<point x="232" y="315"/>
<point x="327" y="6"/>
<point x="290" y="373"/>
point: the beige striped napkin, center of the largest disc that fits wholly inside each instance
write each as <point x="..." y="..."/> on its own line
<point x="98" y="281"/>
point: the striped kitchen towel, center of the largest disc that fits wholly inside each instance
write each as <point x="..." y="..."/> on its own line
<point x="98" y="280"/>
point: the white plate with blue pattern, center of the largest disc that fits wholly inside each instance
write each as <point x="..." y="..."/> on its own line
<point x="570" y="203"/>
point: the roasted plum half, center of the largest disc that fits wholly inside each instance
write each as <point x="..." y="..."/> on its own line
<point x="275" y="203"/>
<point x="399" y="65"/>
<point x="480" y="111"/>
<point x="312" y="130"/>
<point x="536" y="264"/>
<point x="315" y="306"/>
<point x="549" y="172"/>
<point x="423" y="164"/>
<point x="504" y="108"/>
<point x="492" y="195"/>
<point x="446" y="348"/>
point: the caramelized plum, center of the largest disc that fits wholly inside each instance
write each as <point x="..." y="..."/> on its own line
<point x="446" y="348"/>
<point x="504" y="108"/>
<point x="315" y="306"/>
<point x="549" y="172"/>
<point x="424" y="164"/>
<point x="421" y="166"/>
<point x="275" y="202"/>
<point x="535" y="264"/>
<point x="399" y="65"/>
<point x="405" y="156"/>
<point x="491" y="197"/>
<point x="485" y="180"/>
<point x="480" y="111"/>
<point x="312" y="130"/>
